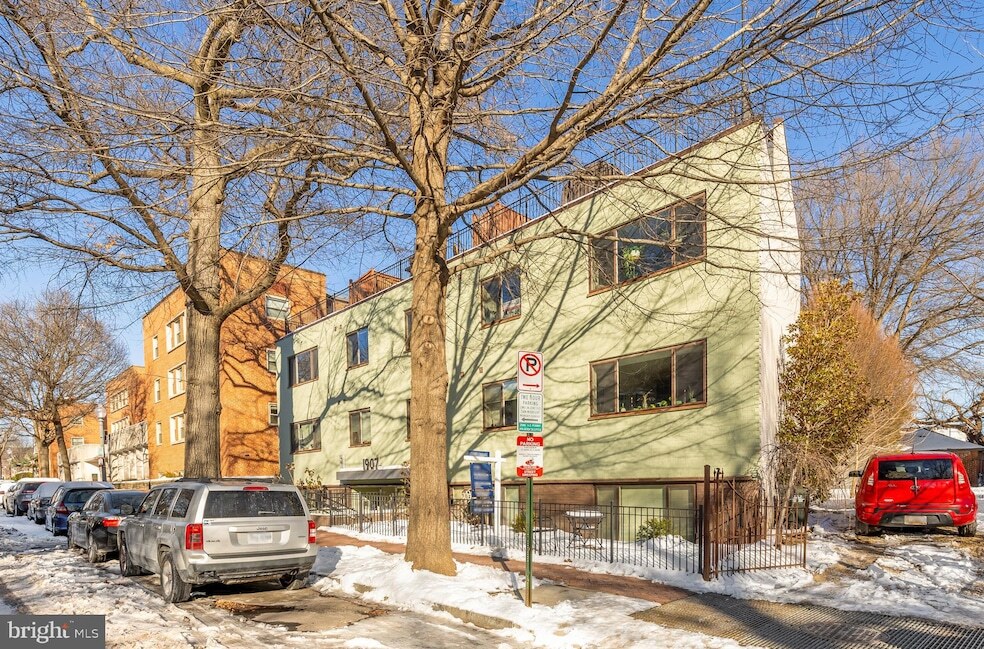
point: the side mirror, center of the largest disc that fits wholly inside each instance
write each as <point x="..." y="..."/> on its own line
<point x="126" y="509"/>
<point x="854" y="474"/>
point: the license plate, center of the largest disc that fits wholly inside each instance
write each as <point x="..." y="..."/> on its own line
<point x="253" y="538"/>
<point x="914" y="520"/>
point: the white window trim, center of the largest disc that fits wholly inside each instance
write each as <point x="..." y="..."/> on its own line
<point x="285" y="308"/>
<point x="174" y="428"/>
<point x="273" y="413"/>
<point x="159" y="433"/>
<point x="169" y="336"/>
<point x="171" y="392"/>
<point x="155" y="348"/>
<point x="157" y="390"/>
<point x="271" y="351"/>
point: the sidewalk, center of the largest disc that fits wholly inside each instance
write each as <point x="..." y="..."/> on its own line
<point x="560" y="574"/>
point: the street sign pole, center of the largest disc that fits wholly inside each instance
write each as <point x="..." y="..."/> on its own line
<point x="529" y="542"/>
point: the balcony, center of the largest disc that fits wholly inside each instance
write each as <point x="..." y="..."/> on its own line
<point x="86" y="453"/>
<point x="129" y="438"/>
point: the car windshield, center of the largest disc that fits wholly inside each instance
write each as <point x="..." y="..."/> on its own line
<point x="251" y="504"/>
<point x="78" y="496"/>
<point x="118" y="500"/>
<point x="941" y="469"/>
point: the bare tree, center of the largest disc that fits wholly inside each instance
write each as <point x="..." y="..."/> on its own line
<point x="154" y="140"/>
<point x="56" y="356"/>
<point x="907" y="232"/>
<point x="453" y="105"/>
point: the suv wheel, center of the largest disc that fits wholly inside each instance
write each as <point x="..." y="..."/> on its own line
<point x="968" y="530"/>
<point x="173" y="587"/>
<point x="292" y="581"/>
<point x="127" y="569"/>
<point x="92" y="552"/>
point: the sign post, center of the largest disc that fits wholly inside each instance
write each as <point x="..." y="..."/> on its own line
<point x="529" y="447"/>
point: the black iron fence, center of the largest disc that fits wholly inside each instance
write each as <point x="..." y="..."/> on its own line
<point x="741" y="530"/>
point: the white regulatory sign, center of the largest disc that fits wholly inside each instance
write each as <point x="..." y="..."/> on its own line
<point x="529" y="375"/>
<point x="529" y="413"/>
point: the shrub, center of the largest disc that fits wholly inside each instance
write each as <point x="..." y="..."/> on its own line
<point x="654" y="528"/>
<point x="519" y="523"/>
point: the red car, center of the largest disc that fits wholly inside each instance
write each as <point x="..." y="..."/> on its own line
<point x="915" y="490"/>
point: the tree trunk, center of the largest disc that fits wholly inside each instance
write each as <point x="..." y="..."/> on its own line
<point x="66" y="470"/>
<point x="429" y="533"/>
<point x="202" y="405"/>
<point x="41" y="451"/>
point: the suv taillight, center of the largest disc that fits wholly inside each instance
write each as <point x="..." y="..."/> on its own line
<point x="111" y="521"/>
<point x="871" y="479"/>
<point x="194" y="537"/>
<point x="255" y="488"/>
<point x="961" y="480"/>
<point x="312" y="533"/>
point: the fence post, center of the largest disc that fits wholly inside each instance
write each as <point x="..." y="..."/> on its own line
<point x="538" y="525"/>
<point x="706" y="532"/>
<point x="393" y="511"/>
<point x="361" y="515"/>
<point x="611" y="531"/>
<point x="806" y="524"/>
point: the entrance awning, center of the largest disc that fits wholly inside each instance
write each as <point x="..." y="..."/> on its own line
<point x="384" y="475"/>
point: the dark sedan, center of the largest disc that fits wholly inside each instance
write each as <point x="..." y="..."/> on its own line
<point x="93" y="529"/>
<point x="70" y="497"/>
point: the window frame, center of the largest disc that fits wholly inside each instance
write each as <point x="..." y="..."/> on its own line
<point x="172" y="392"/>
<point x="361" y="412"/>
<point x="292" y="367"/>
<point x="500" y="317"/>
<point x="348" y="350"/>
<point x="271" y="354"/>
<point x="673" y="349"/>
<point x="408" y="419"/>
<point x="698" y="200"/>
<point x="159" y="433"/>
<point x="172" y="428"/>
<point x="155" y="348"/>
<point x="182" y="321"/>
<point x="502" y="405"/>
<point x="294" y="449"/>
<point x="285" y="308"/>
<point x="273" y="413"/>
<point x="157" y="391"/>
<point x="408" y="328"/>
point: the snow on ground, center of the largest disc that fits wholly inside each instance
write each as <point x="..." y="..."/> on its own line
<point x="600" y="620"/>
<point x="46" y="578"/>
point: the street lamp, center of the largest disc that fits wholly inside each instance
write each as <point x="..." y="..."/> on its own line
<point x="101" y="415"/>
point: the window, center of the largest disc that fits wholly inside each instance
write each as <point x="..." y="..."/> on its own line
<point x="358" y="347"/>
<point x="304" y="366"/>
<point x="119" y="400"/>
<point x="277" y="307"/>
<point x="408" y="420"/>
<point x="408" y="326"/>
<point x="174" y="332"/>
<point x="158" y="433"/>
<point x="175" y="381"/>
<point x="164" y="504"/>
<point x="501" y="297"/>
<point x="658" y="379"/>
<point x="155" y="348"/>
<point x="305" y="436"/>
<point x="499" y="404"/>
<point x="74" y="421"/>
<point x="648" y="245"/>
<point x="78" y="440"/>
<point x="157" y="390"/>
<point x="271" y="360"/>
<point x="182" y="503"/>
<point x="273" y="413"/>
<point x="177" y="428"/>
<point x="360" y="429"/>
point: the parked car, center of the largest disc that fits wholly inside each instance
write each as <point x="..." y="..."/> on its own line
<point x="94" y="527"/>
<point x="15" y="502"/>
<point x="915" y="490"/>
<point x="219" y="531"/>
<point x="70" y="497"/>
<point x="37" y="504"/>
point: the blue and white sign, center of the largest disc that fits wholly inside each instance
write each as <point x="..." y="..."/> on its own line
<point x="482" y="488"/>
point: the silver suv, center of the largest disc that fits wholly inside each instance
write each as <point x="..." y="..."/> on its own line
<point x="199" y="531"/>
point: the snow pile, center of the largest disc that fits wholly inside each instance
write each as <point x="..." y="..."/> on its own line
<point x="597" y="620"/>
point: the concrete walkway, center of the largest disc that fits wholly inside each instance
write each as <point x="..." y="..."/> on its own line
<point x="565" y="575"/>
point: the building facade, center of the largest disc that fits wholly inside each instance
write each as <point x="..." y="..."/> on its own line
<point x="248" y="373"/>
<point x="126" y="425"/>
<point x="660" y="333"/>
<point x="81" y="429"/>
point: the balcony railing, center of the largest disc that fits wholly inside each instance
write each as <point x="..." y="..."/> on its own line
<point x="89" y="453"/>
<point x="128" y="438"/>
